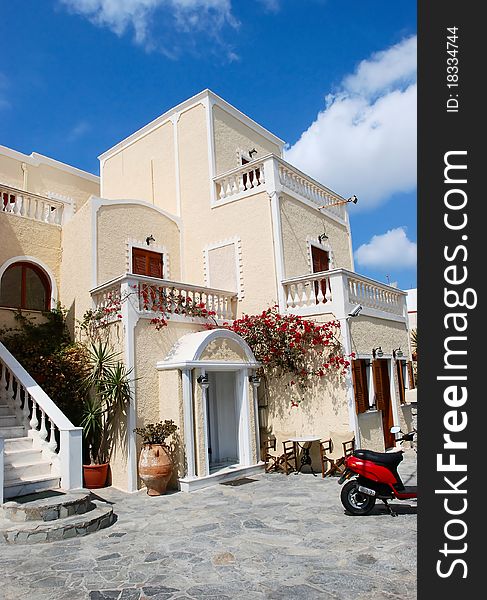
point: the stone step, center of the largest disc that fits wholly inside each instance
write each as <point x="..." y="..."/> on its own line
<point x="12" y="432"/>
<point x="8" y="421"/>
<point x="18" y="443"/>
<point x="28" y="471"/>
<point x="22" y="457"/>
<point x="22" y="487"/>
<point x="47" y="506"/>
<point x="30" y="532"/>
<point x="5" y="410"/>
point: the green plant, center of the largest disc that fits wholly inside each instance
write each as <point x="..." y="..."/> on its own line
<point x="157" y="433"/>
<point x="56" y="363"/>
<point x="108" y="393"/>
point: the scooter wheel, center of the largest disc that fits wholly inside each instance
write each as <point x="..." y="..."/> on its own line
<point x="355" y="502"/>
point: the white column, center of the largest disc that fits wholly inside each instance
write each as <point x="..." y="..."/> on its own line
<point x="188" y="423"/>
<point x="1" y="469"/>
<point x="352" y="413"/>
<point x="70" y="458"/>
<point x="204" y="392"/>
<point x="244" y="421"/>
<point x="255" y="396"/>
<point x="273" y="187"/>
<point x="129" y="319"/>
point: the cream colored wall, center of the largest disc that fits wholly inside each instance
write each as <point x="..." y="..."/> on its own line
<point x="369" y="332"/>
<point x="144" y="170"/>
<point x="231" y="135"/>
<point x="299" y="222"/>
<point x="117" y="224"/>
<point x="249" y="219"/>
<point x="323" y="408"/>
<point x="159" y="393"/>
<point x="76" y="265"/>
<point x="43" y="178"/>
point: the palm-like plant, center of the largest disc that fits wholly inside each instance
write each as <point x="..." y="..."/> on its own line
<point x="414" y="340"/>
<point x="108" y="392"/>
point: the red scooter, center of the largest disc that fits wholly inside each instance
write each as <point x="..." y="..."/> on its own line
<point x="375" y="477"/>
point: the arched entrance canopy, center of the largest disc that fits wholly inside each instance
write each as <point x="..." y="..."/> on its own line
<point x="191" y="351"/>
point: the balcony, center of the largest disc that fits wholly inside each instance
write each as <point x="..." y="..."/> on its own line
<point x="273" y="173"/>
<point x="151" y="297"/>
<point x="32" y="206"/>
<point x="339" y="291"/>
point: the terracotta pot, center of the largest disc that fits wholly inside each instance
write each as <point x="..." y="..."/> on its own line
<point x="155" y="468"/>
<point x="95" y="476"/>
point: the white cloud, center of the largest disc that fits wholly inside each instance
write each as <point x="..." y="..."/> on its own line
<point x="391" y="249"/>
<point x="78" y="131"/>
<point x="185" y="15"/>
<point x="272" y="6"/>
<point x="364" y="141"/>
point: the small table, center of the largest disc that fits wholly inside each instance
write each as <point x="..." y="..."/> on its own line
<point x="304" y="442"/>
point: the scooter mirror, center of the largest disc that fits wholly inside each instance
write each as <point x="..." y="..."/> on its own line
<point x="395" y="429"/>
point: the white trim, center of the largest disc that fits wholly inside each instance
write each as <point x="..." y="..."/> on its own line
<point x="210" y="141"/>
<point x="188" y="418"/>
<point x="175" y="133"/>
<point x="35" y="159"/>
<point x="228" y="474"/>
<point x="237" y="243"/>
<point x="141" y="245"/>
<point x="352" y="412"/>
<point x="184" y="106"/>
<point x="39" y="263"/>
<point x="208" y="365"/>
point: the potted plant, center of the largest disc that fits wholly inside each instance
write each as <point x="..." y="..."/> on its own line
<point x="155" y="462"/>
<point x="108" y="392"/>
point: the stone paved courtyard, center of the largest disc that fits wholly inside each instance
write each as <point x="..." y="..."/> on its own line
<point x="274" y="537"/>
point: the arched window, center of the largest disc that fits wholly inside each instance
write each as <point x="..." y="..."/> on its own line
<point x="25" y="285"/>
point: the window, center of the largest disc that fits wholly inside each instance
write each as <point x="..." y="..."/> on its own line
<point x="320" y="261"/>
<point x="401" y="379"/>
<point x="146" y="262"/>
<point x="360" y="384"/>
<point x="24" y="285"/>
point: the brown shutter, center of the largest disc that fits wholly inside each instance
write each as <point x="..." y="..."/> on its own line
<point x="400" y="381"/>
<point x="377" y="372"/>
<point x="412" y="384"/>
<point x="360" y="388"/>
<point x="145" y="262"/>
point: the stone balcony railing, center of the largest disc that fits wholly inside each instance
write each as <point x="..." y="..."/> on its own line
<point x="273" y="173"/>
<point x="32" y="206"/>
<point x="338" y="291"/>
<point x="152" y="297"/>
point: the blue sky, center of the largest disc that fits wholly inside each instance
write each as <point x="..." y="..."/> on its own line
<point x="335" y="80"/>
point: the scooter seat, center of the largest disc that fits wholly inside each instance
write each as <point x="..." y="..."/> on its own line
<point x="390" y="459"/>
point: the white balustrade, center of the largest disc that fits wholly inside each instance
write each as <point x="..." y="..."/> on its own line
<point x="162" y="297"/>
<point x="44" y="422"/>
<point x="249" y="179"/>
<point x="26" y="204"/>
<point x="338" y="291"/>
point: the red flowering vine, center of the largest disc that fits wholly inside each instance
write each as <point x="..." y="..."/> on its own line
<point x="290" y="344"/>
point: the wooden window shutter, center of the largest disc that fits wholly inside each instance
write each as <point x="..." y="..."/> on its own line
<point x="145" y="262"/>
<point x="360" y="388"/>
<point x="400" y="381"/>
<point x="378" y="375"/>
<point x="412" y="384"/>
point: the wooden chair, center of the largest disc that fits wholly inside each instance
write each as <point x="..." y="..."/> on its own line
<point x="334" y="451"/>
<point x="275" y="461"/>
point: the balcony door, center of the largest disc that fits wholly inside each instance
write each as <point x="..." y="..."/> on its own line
<point x="146" y="262"/>
<point x="320" y="260"/>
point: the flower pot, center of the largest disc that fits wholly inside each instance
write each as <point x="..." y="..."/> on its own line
<point x="95" y="476"/>
<point x="155" y="468"/>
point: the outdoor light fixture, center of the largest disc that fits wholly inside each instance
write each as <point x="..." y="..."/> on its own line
<point x="352" y="199"/>
<point x="253" y="151"/>
<point x="322" y="237"/>
<point x="254" y="380"/>
<point x="149" y="239"/>
<point x="203" y="381"/>
<point x="397" y="353"/>
<point x="377" y="352"/>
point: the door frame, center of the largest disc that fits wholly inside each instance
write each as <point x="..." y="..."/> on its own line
<point x="242" y="407"/>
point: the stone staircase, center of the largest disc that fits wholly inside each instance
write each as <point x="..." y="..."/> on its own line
<point x="53" y="515"/>
<point x="25" y="469"/>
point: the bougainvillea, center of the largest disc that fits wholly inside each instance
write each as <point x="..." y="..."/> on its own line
<point x="289" y="344"/>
